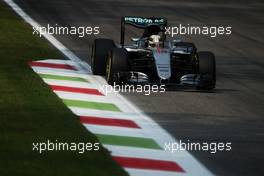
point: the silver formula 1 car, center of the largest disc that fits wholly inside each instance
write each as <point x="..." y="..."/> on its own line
<point x="152" y="59"/>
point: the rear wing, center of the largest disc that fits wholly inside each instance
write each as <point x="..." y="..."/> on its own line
<point x="140" y="22"/>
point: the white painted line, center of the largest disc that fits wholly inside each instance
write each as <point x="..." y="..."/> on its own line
<point x="77" y="110"/>
<point x="61" y="73"/>
<point x="108" y="114"/>
<point x="54" y="70"/>
<point x="57" y="61"/>
<point x="118" y="131"/>
<point x="69" y="83"/>
<point x="143" y="172"/>
<point x="83" y="97"/>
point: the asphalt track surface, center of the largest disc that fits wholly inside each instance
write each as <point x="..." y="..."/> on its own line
<point x="234" y="112"/>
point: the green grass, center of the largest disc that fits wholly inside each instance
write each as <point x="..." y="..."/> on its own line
<point x="30" y="112"/>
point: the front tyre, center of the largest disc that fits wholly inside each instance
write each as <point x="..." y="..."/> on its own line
<point x="206" y="70"/>
<point x="100" y="50"/>
<point x="117" y="63"/>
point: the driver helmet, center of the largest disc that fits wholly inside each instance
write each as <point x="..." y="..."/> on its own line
<point x="154" y="41"/>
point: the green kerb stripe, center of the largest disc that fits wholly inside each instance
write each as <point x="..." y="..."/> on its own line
<point x="67" y="78"/>
<point x="128" y="141"/>
<point x="91" y="105"/>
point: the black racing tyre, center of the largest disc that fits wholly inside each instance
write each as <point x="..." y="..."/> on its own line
<point x="117" y="62"/>
<point x="207" y="70"/>
<point x="100" y="50"/>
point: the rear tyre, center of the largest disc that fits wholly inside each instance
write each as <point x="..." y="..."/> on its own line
<point x="207" y="70"/>
<point x="100" y="50"/>
<point x="117" y="63"/>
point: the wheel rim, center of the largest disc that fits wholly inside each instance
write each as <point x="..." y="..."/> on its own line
<point x="108" y="69"/>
